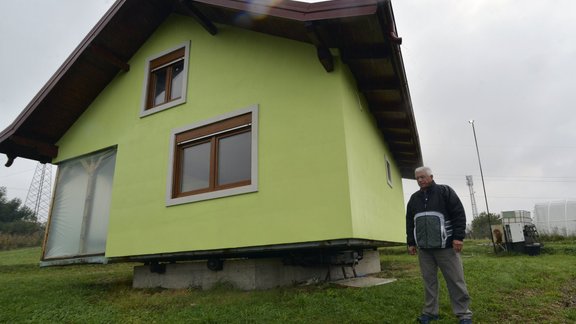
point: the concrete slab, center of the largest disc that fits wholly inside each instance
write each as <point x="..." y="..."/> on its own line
<point x="362" y="282"/>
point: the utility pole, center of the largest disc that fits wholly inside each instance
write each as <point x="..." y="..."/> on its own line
<point x="483" y="186"/>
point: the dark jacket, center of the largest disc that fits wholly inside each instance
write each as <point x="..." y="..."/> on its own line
<point x="425" y="207"/>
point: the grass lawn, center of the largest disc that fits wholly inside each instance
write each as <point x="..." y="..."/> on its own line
<point x="504" y="289"/>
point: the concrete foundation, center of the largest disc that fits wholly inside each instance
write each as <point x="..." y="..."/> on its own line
<point x="248" y="274"/>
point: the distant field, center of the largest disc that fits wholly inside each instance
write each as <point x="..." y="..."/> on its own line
<point x="504" y="289"/>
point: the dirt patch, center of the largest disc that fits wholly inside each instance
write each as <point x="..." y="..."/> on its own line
<point x="569" y="294"/>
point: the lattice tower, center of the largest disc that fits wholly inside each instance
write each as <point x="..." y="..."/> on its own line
<point x="470" y="184"/>
<point x="40" y="191"/>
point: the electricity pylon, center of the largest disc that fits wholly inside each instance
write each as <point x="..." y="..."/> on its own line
<point x="40" y="192"/>
<point x="470" y="184"/>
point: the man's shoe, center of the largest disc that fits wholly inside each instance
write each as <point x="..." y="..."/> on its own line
<point x="425" y="319"/>
<point x="466" y="321"/>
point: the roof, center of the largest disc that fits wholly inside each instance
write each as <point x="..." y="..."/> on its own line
<point x="363" y="31"/>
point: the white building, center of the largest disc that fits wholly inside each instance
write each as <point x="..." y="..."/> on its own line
<point x="556" y="217"/>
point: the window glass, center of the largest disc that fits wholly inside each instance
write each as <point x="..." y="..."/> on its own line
<point x="195" y="167"/>
<point x="388" y="172"/>
<point x="160" y="87"/>
<point x="234" y="158"/>
<point x="177" y="77"/>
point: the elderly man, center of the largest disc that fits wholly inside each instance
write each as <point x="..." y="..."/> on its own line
<point x="435" y="230"/>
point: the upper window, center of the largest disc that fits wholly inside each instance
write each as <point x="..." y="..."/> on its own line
<point x="215" y="158"/>
<point x="166" y="76"/>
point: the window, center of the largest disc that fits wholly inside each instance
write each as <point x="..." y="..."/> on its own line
<point x="215" y="158"/>
<point x="388" y="172"/>
<point x="166" y="79"/>
<point x="78" y="224"/>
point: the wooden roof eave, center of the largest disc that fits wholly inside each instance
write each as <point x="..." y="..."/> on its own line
<point x="13" y="142"/>
<point x="299" y="11"/>
<point x="413" y="149"/>
<point x="313" y="14"/>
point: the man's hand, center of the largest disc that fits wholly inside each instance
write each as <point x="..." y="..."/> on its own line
<point x="412" y="250"/>
<point x="457" y="245"/>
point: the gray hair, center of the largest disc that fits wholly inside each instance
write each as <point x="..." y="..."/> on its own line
<point x="424" y="169"/>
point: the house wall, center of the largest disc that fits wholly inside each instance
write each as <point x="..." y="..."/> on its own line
<point x="304" y="188"/>
<point x="377" y="207"/>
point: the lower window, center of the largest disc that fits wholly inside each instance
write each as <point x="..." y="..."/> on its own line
<point x="78" y="224"/>
<point x="214" y="158"/>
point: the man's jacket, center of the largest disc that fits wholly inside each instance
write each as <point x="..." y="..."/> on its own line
<point x="435" y="217"/>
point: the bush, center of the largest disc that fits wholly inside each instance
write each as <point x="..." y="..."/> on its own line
<point x="15" y="241"/>
<point x="481" y="225"/>
<point x="555" y="237"/>
<point x="20" y="227"/>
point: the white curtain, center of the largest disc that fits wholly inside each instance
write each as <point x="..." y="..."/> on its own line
<point x="79" y="218"/>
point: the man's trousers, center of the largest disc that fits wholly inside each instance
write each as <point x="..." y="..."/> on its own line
<point x="450" y="264"/>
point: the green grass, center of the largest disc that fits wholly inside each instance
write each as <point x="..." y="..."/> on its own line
<point x="504" y="289"/>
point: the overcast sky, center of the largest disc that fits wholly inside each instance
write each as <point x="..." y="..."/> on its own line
<point x="508" y="64"/>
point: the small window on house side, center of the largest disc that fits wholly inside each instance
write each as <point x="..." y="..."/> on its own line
<point x="166" y="80"/>
<point x="214" y="159"/>
<point x="389" y="173"/>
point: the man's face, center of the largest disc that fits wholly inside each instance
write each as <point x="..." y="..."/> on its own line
<point x="424" y="180"/>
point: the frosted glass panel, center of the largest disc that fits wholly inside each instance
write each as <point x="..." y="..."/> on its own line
<point x="97" y="230"/>
<point x="79" y="219"/>
<point x="67" y="210"/>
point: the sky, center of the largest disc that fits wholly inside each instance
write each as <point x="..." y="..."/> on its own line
<point x="509" y="65"/>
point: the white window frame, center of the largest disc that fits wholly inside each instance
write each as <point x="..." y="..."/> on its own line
<point x="252" y="187"/>
<point x="388" y="172"/>
<point x="146" y="112"/>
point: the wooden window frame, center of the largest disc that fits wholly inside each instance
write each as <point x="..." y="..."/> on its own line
<point x="212" y="134"/>
<point x="212" y="130"/>
<point x="166" y="59"/>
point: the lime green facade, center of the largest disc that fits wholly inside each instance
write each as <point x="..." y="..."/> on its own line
<point x="321" y="163"/>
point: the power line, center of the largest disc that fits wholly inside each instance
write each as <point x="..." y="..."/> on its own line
<point x="518" y="178"/>
<point x="512" y="146"/>
<point x="526" y="197"/>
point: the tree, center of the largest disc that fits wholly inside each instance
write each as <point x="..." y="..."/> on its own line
<point x="16" y="218"/>
<point x="481" y="225"/>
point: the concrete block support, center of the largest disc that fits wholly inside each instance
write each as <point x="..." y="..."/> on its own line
<point x="248" y="274"/>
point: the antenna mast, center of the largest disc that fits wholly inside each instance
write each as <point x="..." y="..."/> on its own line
<point x="470" y="184"/>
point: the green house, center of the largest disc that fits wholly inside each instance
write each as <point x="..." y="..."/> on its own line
<point x="202" y="129"/>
